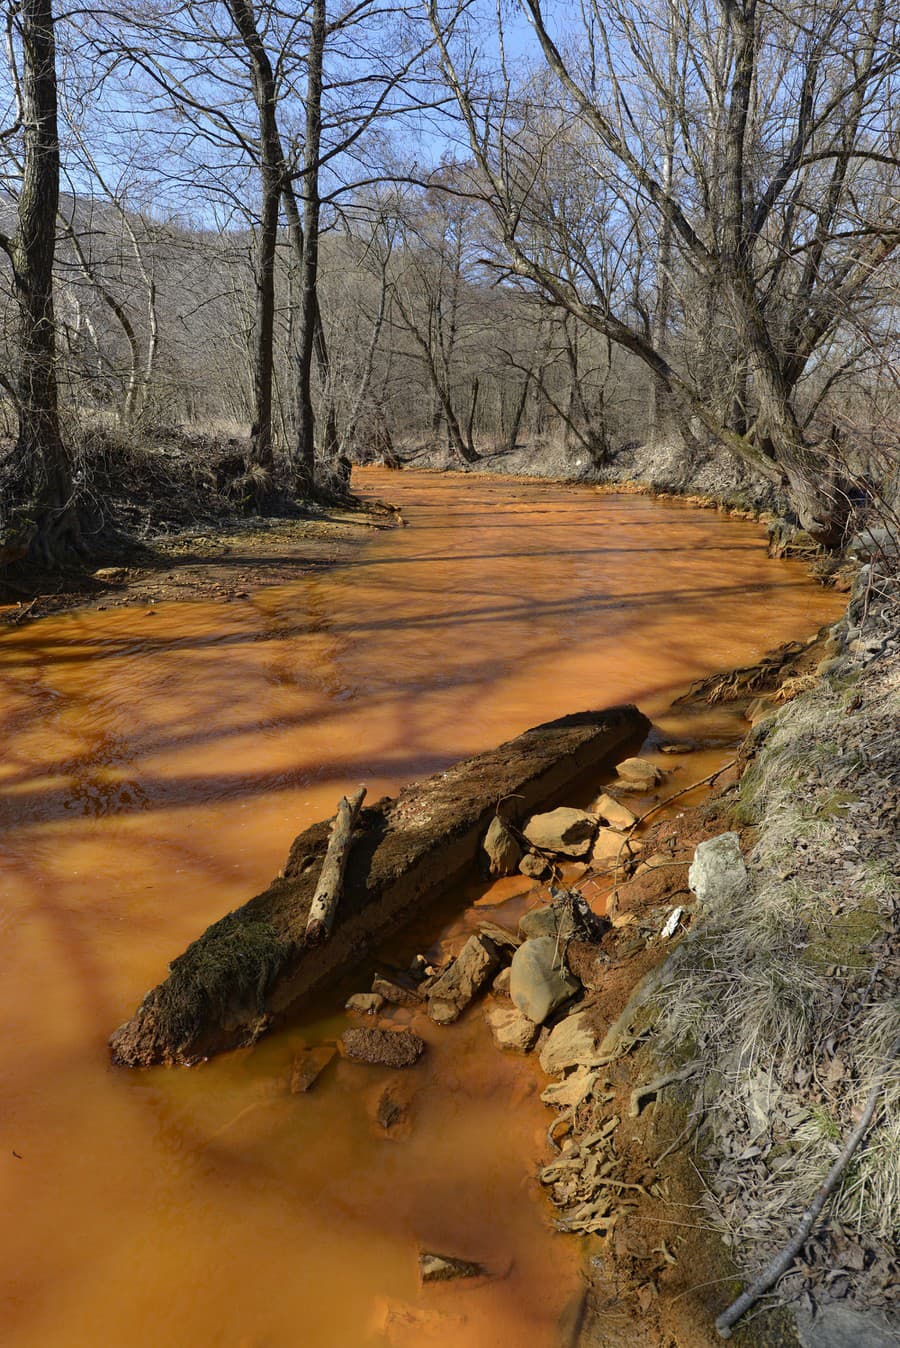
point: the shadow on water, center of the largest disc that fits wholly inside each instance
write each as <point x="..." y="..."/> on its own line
<point x="156" y="770"/>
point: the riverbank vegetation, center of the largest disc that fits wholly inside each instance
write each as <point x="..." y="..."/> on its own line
<point x="308" y="234"/>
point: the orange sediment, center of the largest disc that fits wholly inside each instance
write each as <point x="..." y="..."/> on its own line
<point x="155" y="771"/>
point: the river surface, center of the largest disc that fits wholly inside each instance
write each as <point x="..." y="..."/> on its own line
<point x="155" y="770"/>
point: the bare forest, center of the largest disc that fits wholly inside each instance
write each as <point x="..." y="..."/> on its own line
<point x="293" y="237"/>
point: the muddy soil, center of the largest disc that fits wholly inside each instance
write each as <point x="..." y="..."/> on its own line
<point x="220" y="562"/>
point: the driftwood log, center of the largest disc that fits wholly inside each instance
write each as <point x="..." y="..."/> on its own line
<point x="233" y="983"/>
<point x="328" y="890"/>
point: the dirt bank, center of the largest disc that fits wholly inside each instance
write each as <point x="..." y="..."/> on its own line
<point x="710" y="472"/>
<point x="219" y="560"/>
<point x="767" y="1025"/>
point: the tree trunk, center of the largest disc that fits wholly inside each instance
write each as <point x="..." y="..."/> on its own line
<point x="518" y="413"/>
<point x="663" y="417"/>
<point x="309" y="307"/>
<point x="43" y="473"/>
<point x="271" y="169"/>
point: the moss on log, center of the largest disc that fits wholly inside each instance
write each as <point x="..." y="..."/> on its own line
<point x="234" y="981"/>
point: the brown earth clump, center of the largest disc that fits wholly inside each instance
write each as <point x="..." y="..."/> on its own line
<point x="383" y="1048"/>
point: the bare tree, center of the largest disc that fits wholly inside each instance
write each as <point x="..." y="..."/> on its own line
<point x="42" y="476"/>
<point x="778" y="122"/>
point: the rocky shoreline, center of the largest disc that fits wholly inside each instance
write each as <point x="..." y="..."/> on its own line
<point x="709" y="1042"/>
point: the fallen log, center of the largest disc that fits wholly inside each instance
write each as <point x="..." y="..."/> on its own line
<point x="328" y="890"/>
<point x="231" y="985"/>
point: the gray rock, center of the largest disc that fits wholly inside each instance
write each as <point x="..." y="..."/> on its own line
<point x="365" y="1003"/>
<point x="394" y="992"/>
<point x="574" y="1042"/>
<point x="503" y="849"/>
<point x="475" y="965"/>
<point x="836" y="1326"/>
<point x="534" y="866"/>
<point x="873" y="541"/>
<point x="639" y="773"/>
<point x="511" y="1028"/>
<point x="717" y="874"/>
<point x="564" y="831"/>
<point x="444" y="1268"/>
<point x="547" y="920"/>
<point x="539" y="981"/>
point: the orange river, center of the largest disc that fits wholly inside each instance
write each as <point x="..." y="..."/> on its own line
<point x="155" y="770"/>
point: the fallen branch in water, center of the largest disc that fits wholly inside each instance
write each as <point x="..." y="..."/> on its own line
<point x="328" y="890"/>
<point x="782" y="1261"/>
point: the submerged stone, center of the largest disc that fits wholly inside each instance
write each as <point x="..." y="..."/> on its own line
<point x="449" y="995"/>
<point x="444" y="1267"/>
<point x="511" y="1028"/>
<point x="308" y="1066"/>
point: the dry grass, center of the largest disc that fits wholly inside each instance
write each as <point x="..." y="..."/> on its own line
<point x="791" y="999"/>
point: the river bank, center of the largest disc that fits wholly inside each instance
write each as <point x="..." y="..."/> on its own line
<point x="760" y="1038"/>
<point x="707" y="473"/>
<point x="221" y="560"/>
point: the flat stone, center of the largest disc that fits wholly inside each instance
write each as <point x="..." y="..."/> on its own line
<point x="308" y="1066"/>
<point x="507" y="942"/>
<point x="444" y="1267"/>
<point x="836" y="1326"/>
<point x="564" y="831"/>
<point x="608" y="848"/>
<point x="614" y="812"/>
<point x="640" y="773"/>
<point x="365" y="1003"/>
<point x="474" y="966"/>
<point x="574" y="1042"/>
<point x="571" y="1090"/>
<point x="511" y="1028"/>
<point x="539" y="981"/>
<point x="394" y="992"/>
<point x="385" y="1048"/>
<point x="504" y="851"/>
<point x="718" y="875"/>
<point x="534" y="866"/>
<point x="111" y="575"/>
